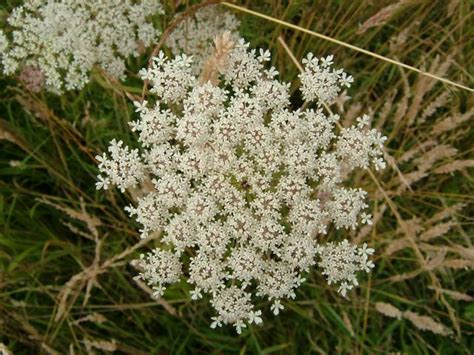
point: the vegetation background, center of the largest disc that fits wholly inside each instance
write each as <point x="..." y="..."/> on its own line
<point x="66" y="285"/>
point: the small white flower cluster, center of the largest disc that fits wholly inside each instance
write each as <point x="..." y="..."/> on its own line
<point x="320" y="81"/>
<point x="243" y="187"/>
<point x="160" y="267"/>
<point x="66" y="38"/>
<point x="194" y="35"/>
<point x="341" y="261"/>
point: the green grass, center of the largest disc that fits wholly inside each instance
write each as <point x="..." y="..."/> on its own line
<point x="53" y="141"/>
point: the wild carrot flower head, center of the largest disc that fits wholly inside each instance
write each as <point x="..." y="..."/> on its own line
<point x="65" y="39"/>
<point x="244" y="187"/>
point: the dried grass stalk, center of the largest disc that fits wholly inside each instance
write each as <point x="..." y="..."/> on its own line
<point x="421" y="322"/>
<point x="382" y="16"/>
<point x="455" y="295"/>
<point x="458" y="264"/>
<point x="109" y="346"/>
<point x="454" y="166"/>
<point x="347" y="323"/>
<point x="388" y="310"/>
<point x="93" y="317"/>
<point x="397" y="245"/>
<point x="436" y="231"/>
<point x="409" y="154"/>
<point x="447" y="212"/>
<point x="436" y="261"/>
<point x="426" y="323"/>
<point x="451" y="122"/>
<point x="217" y="62"/>
<point x="91" y="222"/>
<point x="438" y="102"/>
<point x="426" y="161"/>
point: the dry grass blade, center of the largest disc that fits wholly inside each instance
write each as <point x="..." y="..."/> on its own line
<point x="347" y="323"/>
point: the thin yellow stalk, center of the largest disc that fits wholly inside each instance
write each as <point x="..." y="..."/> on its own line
<point x="347" y="45"/>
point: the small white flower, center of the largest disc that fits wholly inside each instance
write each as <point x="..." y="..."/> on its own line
<point x="238" y="326"/>
<point x="196" y="294"/>
<point x="366" y="218"/>
<point x="344" y="288"/>
<point x="328" y="61"/>
<point x="264" y="55"/>
<point x="276" y="307"/>
<point x="346" y="80"/>
<point x="254" y="317"/>
<point x="365" y="250"/>
<point x="363" y="121"/>
<point x="215" y="322"/>
<point x="141" y="107"/>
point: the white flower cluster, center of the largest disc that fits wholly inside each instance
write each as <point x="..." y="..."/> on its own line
<point x="66" y="38"/>
<point x="341" y="261"/>
<point x="244" y="188"/>
<point x="194" y="35"/>
<point x="320" y="81"/>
